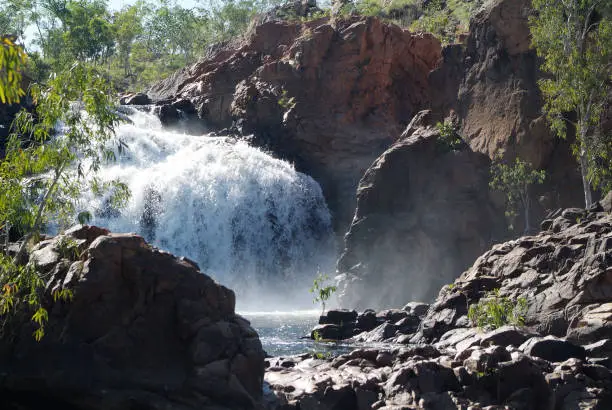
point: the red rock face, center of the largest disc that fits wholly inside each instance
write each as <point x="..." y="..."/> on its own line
<point x="353" y="87"/>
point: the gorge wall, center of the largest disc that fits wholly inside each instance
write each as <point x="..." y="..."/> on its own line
<point x="334" y="98"/>
<point x="329" y="98"/>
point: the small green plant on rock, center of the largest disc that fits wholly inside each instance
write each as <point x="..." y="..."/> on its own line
<point x="285" y="101"/>
<point x="449" y="137"/>
<point x="495" y="311"/>
<point x="321" y="290"/>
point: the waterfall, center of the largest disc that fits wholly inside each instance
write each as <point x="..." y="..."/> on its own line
<point x="249" y="220"/>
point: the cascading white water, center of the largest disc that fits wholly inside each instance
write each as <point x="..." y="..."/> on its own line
<point x="250" y="221"/>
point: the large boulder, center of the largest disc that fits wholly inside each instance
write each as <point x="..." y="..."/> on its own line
<point x="144" y="330"/>
<point x="329" y="98"/>
<point x="423" y="214"/>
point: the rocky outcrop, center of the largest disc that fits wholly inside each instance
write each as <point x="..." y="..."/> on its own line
<point x="561" y="358"/>
<point x="330" y="98"/>
<point x="144" y="330"/>
<point x="423" y="214"/>
<point x="489" y="86"/>
<point x="564" y="273"/>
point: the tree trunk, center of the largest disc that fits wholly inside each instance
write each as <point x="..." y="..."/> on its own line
<point x="526" y="204"/>
<point x="584" y="172"/>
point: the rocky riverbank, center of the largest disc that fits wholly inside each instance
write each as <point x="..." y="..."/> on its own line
<point x="558" y="357"/>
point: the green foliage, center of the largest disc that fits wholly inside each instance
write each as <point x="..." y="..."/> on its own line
<point x="12" y="64"/>
<point x="68" y="248"/>
<point x="574" y="38"/>
<point x="438" y="21"/>
<point x="495" y="311"/>
<point x="515" y="180"/>
<point x="43" y="174"/>
<point x="321" y="290"/>
<point x="286" y="102"/>
<point x="449" y="138"/>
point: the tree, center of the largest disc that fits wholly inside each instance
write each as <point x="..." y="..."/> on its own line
<point x="44" y="173"/>
<point x="515" y="181"/>
<point x="321" y="290"/>
<point x="574" y="38"/>
<point x="127" y="25"/>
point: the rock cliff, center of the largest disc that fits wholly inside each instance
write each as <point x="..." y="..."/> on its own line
<point x="144" y="330"/>
<point x="489" y="86"/>
<point x="330" y="98"/>
<point x="424" y="213"/>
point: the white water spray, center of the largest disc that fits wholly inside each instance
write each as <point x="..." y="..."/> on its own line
<point x="250" y="221"/>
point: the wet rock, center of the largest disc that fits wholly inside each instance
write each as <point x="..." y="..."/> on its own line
<point x="135" y="99"/>
<point x="367" y="320"/>
<point x="168" y="114"/>
<point x="416" y="308"/>
<point x="338" y="317"/>
<point x="326" y="332"/>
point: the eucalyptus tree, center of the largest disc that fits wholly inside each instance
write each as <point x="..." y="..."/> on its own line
<point x="574" y="38"/>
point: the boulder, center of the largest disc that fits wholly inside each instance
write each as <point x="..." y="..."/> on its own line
<point x="552" y="349"/>
<point x="168" y="114"/>
<point x="416" y="308"/>
<point x="338" y="316"/>
<point x="143" y="329"/>
<point x="367" y="320"/>
<point x="423" y="215"/>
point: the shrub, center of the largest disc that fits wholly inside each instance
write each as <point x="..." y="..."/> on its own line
<point x="322" y="292"/>
<point x="494" y="311"/>
<point x="449" y="138"/>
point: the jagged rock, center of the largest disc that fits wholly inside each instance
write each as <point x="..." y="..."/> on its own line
<point x="601" y="348"/>
<point x="418" y="201"/>
<point x="144" y="330"/>
<point x="563" y="275"/>
<point x="506" y="336"/>
<point x="419" y="377"/>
